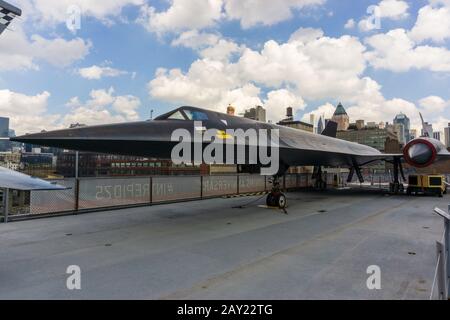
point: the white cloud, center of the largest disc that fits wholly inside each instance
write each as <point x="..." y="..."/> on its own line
<point x="102" y="107"/>
<point x="181" y="15"/>
<point x="432" y="23"/>
<point x="19" y="52"/>
<point x="208" y="45"/>
<point x="298" y="70"/>
<point x="393" y="9"/>
<point x="97" y="72"/>
<point x="184" y="15"/>
<point x="27" y="113"/>
<point x="196" y="40"/>
<point x="386" y="9"/>
<point x="395" y="51"/>
<point x="51" y="12"/>
<point x="279" y="100"/>
<point x="306" y="35"/>
<point x="434" y="104"/>
<point x="350" y="24"/>
<point x="265" y="12"/>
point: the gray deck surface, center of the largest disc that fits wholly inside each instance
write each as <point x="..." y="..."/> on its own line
<point x="208" y="250"/>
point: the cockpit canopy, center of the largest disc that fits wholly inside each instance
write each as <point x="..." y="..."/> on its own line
<point x="185" y="113"/>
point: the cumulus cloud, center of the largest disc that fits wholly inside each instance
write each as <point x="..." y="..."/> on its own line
<point x="102" y="107"/>
<point x="265" y="12"/>
<point x="27" y="113"/>
<point x="181" y="15"/>
<point x="199" y="14"/>
<point x="350" y="24"/>
<point x="386" y="9"/>
<point x="293" y="72"/>
<point x="26" y="52"/>
<point x="51" y="12"/>
<point x="433" y="104"/>
<point x="208" y="45"/>
<point x="395" y="51"/>
<point x="433" y="23"/>
<point x="98" y="72"/>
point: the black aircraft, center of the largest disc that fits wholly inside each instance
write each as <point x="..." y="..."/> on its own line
<point x="153" y="138"/>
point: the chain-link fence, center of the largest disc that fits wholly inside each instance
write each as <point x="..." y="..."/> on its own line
<point x="96" y="193"/>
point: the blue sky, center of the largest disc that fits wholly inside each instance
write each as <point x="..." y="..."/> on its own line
<point x="216" y="52"/>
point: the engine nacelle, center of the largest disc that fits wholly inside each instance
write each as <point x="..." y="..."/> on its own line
<point x="422" y="152"/>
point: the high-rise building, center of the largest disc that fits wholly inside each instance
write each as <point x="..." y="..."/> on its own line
<point x="447" y="136"/>
<point x="413" y="134"/>
<point x="320" y="125"/>
<point x="404" y="121"/>
<point x="437" y="135"/>
<point x="428" y="130"/>
<point x="341" y="117"/>
<point x="257" y="113"/>
<point x="4" y="133"/>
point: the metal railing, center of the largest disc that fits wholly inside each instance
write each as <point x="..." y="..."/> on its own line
<point x="441" y="282"/>
<point x="87" y="194"/>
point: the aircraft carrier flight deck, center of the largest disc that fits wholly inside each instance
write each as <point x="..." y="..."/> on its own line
<point x="215" y="249"/>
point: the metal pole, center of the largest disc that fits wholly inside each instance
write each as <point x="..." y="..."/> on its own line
<point x="6" y="202"/>
<point x="447" y="250"/>
<point x="441" y="280"/>
<point x="77" y="155"/>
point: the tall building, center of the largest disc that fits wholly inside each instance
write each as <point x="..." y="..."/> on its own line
<point x="4" y="133"/>
<point x="403" y="120"/>
<point x="413" y="134"/>
<point x="428" y="132"/>
<point x="447" y="136"/>
<point x="320" y="125"/>
<point x="437" y="135"/>
<point x="341" y="117"/>
<point x="257" y="113"/>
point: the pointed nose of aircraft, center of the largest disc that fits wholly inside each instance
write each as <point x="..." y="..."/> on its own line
<point x="146" y="139"/>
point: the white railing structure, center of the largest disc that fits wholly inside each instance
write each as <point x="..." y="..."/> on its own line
<point x="441" y="281"/>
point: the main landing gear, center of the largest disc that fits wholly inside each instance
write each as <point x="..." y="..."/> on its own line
<point x="396" y="187"/>
<point x="276" y="198"/>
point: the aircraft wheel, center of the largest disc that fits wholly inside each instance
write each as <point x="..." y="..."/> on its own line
<point x="281" y="201"/>
<point x="271" y="200"/>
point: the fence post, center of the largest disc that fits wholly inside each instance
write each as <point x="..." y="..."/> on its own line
<point x="443" y="253"/>
<point x="5" y="205"/>
<point x="441" y="274"/>
<point x="201" y="187"/>
<point x="150" y="190"/>
<point x="447" y="250"/>
<point x="77" y="194"/>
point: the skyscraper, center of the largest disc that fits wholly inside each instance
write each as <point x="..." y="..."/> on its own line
<point x="447" y="136"/>
<point x="437" y="135"/>
<point x="4" y="133"/>
<point x="320" y="126"/>
<point x="403" y="120"/>
<point x="341" y="117"/>
<point x="257" y="113"/>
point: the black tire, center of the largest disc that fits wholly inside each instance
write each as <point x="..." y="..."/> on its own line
<point x="281" y="201"/>
<point x="270" y="200"/>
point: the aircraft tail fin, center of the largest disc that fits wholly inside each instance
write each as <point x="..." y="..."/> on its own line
<point x="330" y="130"/>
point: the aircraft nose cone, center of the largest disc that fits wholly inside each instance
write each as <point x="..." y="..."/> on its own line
<point x="420" y="153"/>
